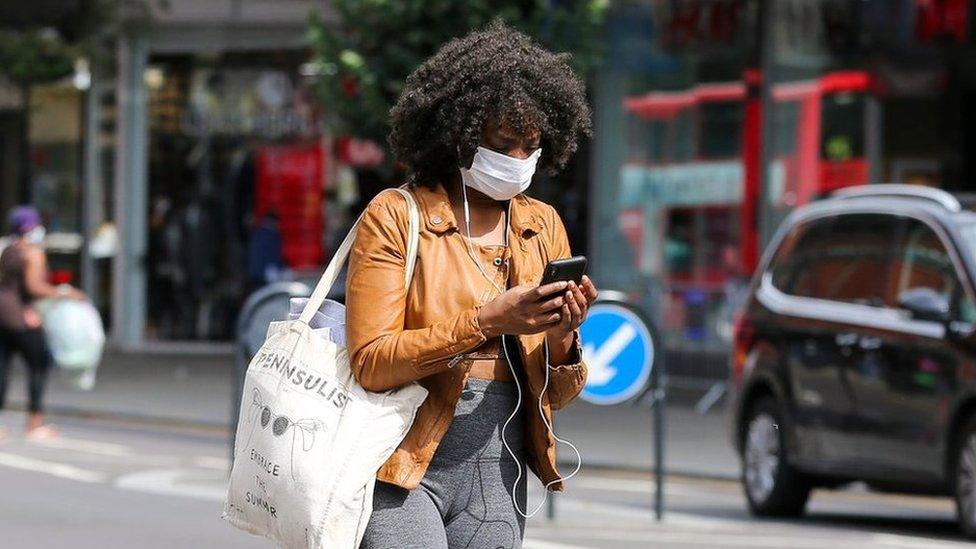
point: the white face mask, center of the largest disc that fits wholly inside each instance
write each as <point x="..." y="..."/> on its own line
<point x="35" y="235"/>
<point x="498" y="175"/>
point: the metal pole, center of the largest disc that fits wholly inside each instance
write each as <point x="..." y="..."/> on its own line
<point x="874" y="138"/>
<point x="766" y="59"/>
<point x="551" y="506"/>
<point x="659" y="394"/>
<point x="131" y="192"/>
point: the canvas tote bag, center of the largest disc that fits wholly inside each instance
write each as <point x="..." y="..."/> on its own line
<point x="310" y="438"/>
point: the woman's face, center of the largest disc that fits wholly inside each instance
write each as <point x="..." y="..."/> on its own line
<point x="502" y="138"/>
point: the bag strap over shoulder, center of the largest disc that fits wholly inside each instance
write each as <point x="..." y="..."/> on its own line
<point x="331" y="273"/>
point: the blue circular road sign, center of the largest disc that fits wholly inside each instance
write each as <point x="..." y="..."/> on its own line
<point x="619" y="354"/>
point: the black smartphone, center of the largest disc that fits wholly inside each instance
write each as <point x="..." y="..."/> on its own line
<point x="558" y="270"/>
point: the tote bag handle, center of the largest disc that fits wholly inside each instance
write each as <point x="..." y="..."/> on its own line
<point x="331" y="273"/>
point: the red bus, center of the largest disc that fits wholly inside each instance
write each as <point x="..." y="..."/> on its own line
<point x="692" y="173"/>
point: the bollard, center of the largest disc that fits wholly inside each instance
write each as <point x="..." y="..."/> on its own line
<point x="261" y="308"/>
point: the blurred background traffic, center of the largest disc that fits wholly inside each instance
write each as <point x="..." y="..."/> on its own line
<point x="185" y="153"/>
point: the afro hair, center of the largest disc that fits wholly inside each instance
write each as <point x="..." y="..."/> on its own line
<point x="495" y="72"/>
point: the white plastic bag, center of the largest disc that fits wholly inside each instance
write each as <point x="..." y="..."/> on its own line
<point x="75" y="336"/>
<point x="310" y="439"/>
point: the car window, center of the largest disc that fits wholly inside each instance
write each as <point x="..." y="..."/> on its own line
<point x="802" y="245"/>
<point x="924" y="262"/>
<point x="967" y="308"/>
<point x="846" y="258"/>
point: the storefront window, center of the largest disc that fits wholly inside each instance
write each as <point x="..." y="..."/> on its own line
<point x="236" y="179"/>
<point x="55" y="172"/>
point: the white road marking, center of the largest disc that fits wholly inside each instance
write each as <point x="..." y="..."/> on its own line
<point x="703" y="522"/>
<point x="594" y="509"/>
<point x="599" y="371"/>
<point x="60" y="470"/>
<point x="212" y="462"/>
<point x="778" y="540"/>
<point x="89" y="446"/>
<point x="539" y="544"/>
<point x="638" y="486"/>
<point x="167" y="482"/>
<point x="613" y="484"/>
<point x="909" y="542"/>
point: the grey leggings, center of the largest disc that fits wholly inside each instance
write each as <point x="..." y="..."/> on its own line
<point x="465" y="499"/>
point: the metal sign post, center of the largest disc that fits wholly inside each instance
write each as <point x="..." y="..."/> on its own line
<point x="658" y="384"/>
<point x="623" y="359"/>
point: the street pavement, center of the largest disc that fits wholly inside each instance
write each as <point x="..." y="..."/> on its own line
<point x="184" y="389"/>
<point x="111" y="483"/>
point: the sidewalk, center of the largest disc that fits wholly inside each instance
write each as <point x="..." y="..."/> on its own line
<point x="197" y="390"/>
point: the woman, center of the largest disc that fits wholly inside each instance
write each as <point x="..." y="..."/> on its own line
<point x="23" y="278"/>
<point x="471" y="124"/>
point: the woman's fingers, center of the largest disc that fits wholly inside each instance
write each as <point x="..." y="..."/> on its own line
<point x="578" y="295"/>
<point x="589" y="289"/>
<point x="553" y="303"/>
<point x="548" y="319"/>
<point x="543" y="291"/>
<point x="576" y="303"/>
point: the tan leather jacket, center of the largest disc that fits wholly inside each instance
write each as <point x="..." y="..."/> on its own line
<point x="397" y="336"/>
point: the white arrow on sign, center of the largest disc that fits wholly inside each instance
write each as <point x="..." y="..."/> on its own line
<point x="599" y="370"/>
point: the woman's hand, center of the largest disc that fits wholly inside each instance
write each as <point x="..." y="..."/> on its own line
<point x="524" y="310"/>
<point x="577" y="301"/>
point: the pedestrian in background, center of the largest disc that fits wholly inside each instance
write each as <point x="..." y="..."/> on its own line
<point x="24" y="279"/>
<point x="474" y="327"/>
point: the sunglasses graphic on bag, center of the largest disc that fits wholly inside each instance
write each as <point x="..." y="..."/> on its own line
<point x="262" y="414"/>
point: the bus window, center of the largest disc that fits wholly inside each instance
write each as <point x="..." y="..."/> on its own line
<point x="682" y="137"/>
<point x="721" y="233"/>
<point x="721" y="130"/>
<point x="679" y="243"/>
<point x="646" y="140"/>
<point x="842" y="133"/>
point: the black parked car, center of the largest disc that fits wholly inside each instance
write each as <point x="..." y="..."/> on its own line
<point x="855" y="353"/>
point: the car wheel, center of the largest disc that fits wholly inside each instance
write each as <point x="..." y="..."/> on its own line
<point x="964" y="458"/>
<point x="772" y="486"/>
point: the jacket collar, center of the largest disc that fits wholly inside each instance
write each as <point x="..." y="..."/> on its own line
<point x="439" y="218"/>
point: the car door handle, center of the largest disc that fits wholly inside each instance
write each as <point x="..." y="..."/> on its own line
<point x="870" y="343"/>
<point x="846" y="340"/>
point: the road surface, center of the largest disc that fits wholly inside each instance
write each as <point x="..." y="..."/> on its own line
<point x="113" y="484"/>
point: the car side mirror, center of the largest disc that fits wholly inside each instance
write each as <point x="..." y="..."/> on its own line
<point x="925" y="304"/>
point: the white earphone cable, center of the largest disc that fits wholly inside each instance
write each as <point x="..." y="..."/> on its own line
<point x="518" y="385"/>
<point x="579" y="457"/>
